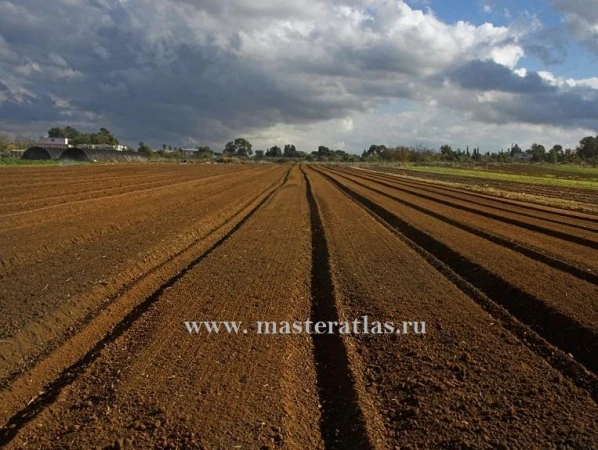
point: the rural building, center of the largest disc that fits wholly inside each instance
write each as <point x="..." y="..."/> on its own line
<point x="51" y="142"/>
<point x="119" y="148"/>
<point x="17" y="153"/>
<point x="97" y="155"/>
<point x="190" y="151"/>
<point x="43" y="153"/>
<point x="521" y="156"/>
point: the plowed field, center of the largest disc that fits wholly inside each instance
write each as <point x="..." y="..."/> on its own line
<point x="105" y="268"/>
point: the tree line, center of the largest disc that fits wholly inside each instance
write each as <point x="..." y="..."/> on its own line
<point x="76" y="137"/>
<point x="8" y="144"/>
<point x="586" y="151"/>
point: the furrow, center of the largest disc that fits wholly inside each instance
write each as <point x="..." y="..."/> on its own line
<point x="579" y="272"/>
<point x="343" y="424"/>
<point x="488" y="203"/>
<point x="51" y="391"/>
<point x="509" y="220"/>
<point x="485" y="200"/>
<point x="552" y="325"/>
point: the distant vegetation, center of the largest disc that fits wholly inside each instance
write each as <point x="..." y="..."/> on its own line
<point x="586" y="151"/>
<point x="75" y="137"/>
<point x="18" y="143"/>
<point x="241" y="149"/>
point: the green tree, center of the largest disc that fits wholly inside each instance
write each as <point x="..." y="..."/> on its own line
<point x="289" y="151"/>
<point x="374" y="150"/>
<point x="274" y="152"/>
<point x="538" y="151"/>
<point x="144" y="148"/>
<point x="556" y="154"/>
<point x="515" y="149"/>
<point x="103" y="137"/>
<point x="238" y="147"/>
<point x="323" y="152"/>
<point x="56" y="132"/>
<point x="5" y="142"/>
<point x="83" y="139"/>
<point x="588" y="147"/>
<point x="23" y="142"/>
<point x="204" y="152"/>
<point x="447" y="153"/>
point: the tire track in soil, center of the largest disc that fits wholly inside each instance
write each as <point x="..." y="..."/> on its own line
<point x="50" y="393"/>
<point x="524" y="314"/>
<point x="343" y="424"/>
<point x="581" y="273"/>
<point x="523" y="209"/>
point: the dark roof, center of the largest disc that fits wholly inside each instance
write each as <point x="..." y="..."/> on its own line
<point x="42" y="153"/>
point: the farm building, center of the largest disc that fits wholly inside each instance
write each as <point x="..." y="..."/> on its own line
<point x="520" y="156"/>
<point x="120" y="148"/>
<point x="17" y="153"/>
<point x="42" y="153"/>
<point x="53" y="142"/>
<point x="96" y="155"/>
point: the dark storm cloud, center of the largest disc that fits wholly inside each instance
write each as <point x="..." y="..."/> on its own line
<point x="135" y="83"/>
<point x="168" y="70"/>
<point x="530" y="98"/>
<point x="489" y="76"/>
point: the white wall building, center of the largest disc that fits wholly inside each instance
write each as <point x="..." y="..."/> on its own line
<point x="119" y="148"/>
<point x="51" y="142"/>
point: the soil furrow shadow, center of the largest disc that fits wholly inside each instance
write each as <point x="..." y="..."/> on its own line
<point x="460" y="197"/>
<point x="493" y="294"/>
<point x="511" y="245"/>
<point x="528" y="226"/>
<point x="343" y="424"/>
<point x="51" y="345"/>
<point x="70" y="374"/>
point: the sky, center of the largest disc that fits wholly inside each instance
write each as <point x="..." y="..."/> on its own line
<point x="340" y="73"/>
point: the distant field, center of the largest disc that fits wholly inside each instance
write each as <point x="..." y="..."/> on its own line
<point x="569" y="187"/>
<point x="564" y="176"/>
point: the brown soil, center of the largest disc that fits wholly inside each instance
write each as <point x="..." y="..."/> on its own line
<point x="579" y="195"/>
<point x="558" y="305"/>
<point x="563" y="234"/>
<point x="469" y="383"/>
<point x="537" y="170"/>
<point x="67" y="263"/>
<point x="96" y="285"/>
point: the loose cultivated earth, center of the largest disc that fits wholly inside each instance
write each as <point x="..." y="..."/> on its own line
<point x="101" y="266"/>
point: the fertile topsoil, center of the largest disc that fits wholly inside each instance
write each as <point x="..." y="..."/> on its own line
<point x="589" y="196"/>
<point x="102" y="265"/>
